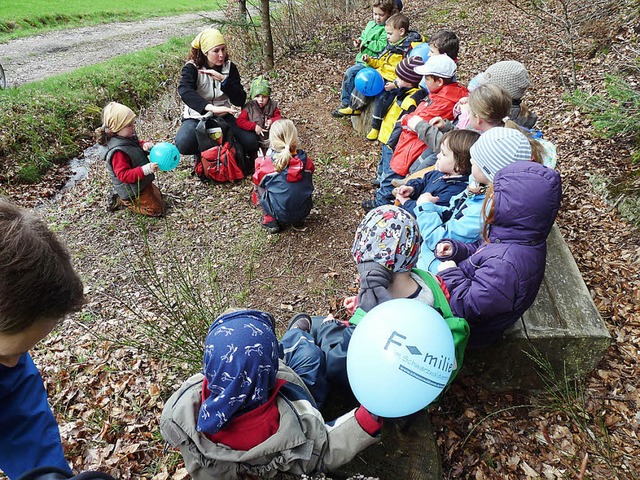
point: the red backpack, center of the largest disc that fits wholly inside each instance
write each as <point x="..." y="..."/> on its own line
<point x="218" y="164"/>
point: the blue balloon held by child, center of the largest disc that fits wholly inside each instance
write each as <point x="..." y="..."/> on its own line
<point x="400" y="357"/>
<point x="369" y="82"/>
<point x="166" y="155"/>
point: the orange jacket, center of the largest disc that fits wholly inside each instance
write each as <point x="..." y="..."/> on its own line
<point x="439" y="104"/>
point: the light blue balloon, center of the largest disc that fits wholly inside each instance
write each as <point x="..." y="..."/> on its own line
<point x="369" y="82"/>
<point x="166" y="155"/>
<point x="420" y="50"/>
<point x="400" y="358"/>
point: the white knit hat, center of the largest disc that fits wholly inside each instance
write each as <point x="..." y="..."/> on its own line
<point x="499" y="147"/>
<point x="512" y="76"/>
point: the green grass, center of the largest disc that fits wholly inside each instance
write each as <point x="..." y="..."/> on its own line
<point x="50" y="121"/>
<point x="19" y="18"/>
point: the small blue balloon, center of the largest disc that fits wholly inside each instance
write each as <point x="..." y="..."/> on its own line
<point x="369" y="82"/>
<point x="400" y="357"/>
<point x="420" y="50"/>
<point x="166" y="155"/>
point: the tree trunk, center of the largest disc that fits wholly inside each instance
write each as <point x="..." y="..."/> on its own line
<point x="265" y="16"/>
<point x="243" y="13"/>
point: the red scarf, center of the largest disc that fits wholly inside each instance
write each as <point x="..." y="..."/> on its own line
<point x="251" y="428"/>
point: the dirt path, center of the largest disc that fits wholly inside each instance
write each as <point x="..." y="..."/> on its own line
<point x="34" y="58"/>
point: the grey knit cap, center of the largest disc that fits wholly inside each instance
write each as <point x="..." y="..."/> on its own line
<point x="499" y="147"/>
<point x="512" y="76"/>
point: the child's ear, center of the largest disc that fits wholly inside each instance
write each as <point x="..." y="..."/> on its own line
<point x="404" y="32"/>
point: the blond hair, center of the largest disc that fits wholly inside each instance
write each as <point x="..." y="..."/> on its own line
<point x="283" y="139"/>
<point x="491" y="103"/>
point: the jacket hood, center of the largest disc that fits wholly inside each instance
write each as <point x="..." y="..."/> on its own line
<point x="526" y="200"/>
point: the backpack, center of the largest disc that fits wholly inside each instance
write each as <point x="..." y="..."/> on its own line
<point x="218" y="164"/>
<point x="54" y="473"/>
<point x="218" y="160"/>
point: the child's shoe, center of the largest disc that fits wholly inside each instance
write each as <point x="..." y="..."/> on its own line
<point x="346" y="111"/>
<point x="301" y="321"/>
<point x="336" y="113"/>
<point x="369" y="205"/>
<point x="373" y="134"/>
<point x="375" y="182"/>
<point x="270" y="224"/>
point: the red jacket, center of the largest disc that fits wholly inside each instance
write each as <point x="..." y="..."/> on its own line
<point x="440" y="104"/>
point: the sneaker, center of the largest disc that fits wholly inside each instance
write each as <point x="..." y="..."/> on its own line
<point x="375" y="182"/>
<point x="270" y="224"/>
<point x="373" y="134"/>
<point x="368" y="205"/>
<point x="301" y="321"/>
<point x="348" y="111"/>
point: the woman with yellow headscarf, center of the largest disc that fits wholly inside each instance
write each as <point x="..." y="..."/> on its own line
<point x="210" y="83"/>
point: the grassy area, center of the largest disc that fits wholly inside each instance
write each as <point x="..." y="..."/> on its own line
<point x="52" y="120"/>
<point x="19" y="18"/>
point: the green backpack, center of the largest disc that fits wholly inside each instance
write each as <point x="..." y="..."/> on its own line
<point x="458" y="326"/>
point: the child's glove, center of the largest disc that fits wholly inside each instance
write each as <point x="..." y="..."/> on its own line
<point x="149" y="168"/>
<point x="369" y="422"/>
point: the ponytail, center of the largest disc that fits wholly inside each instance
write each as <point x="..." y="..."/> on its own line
<point x="283" y="139"/>
<point x="488" y="213"/>
<point x="537" y="150"/>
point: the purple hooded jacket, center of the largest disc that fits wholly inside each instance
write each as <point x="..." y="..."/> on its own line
<point x="494" y="283"/>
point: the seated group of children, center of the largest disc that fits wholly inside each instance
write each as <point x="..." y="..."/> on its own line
<point x="467" y="238"/>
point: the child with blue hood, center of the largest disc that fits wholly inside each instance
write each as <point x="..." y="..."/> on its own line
<point x="250" y="415"/>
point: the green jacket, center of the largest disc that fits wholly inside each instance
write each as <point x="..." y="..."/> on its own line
<point x="458" y="326"/>
<point x="373" y="39"/>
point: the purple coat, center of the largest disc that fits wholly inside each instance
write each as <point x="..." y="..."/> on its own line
<point x="494" y="283"/>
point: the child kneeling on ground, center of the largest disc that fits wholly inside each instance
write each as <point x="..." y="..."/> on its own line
<point x="127" y="160"/>
<point x="248" y="415"/>
<point x="284" y="186"/>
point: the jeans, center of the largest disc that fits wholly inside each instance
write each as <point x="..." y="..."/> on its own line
<point x="383" y="194"/>
<point x="349" y="83"/>
<point x="305" y="358"/>
<point x="381" y="104"/>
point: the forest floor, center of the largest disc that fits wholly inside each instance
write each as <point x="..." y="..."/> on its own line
<point x="108" y="397"/>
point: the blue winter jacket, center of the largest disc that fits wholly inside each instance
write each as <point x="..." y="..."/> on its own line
<point x="496" y="282"/>
<point x="437" y="185"/>
<point x="460" y="220"/>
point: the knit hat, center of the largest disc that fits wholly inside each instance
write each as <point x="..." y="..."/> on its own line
<point x="259" y="86"/>
<point x="116" y="116"/>
<point x="499" y="147"/>
<point x="405" y="70"/>
<point x="207" y="39"/>
<point x="439" y="66"/>
<point x="389" y="236"/>
<point x="240" y="365"/>
<point x="512" y="76"/>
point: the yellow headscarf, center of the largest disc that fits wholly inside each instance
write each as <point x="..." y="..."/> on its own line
<point x="207" y="39"/>
<point x="116" y="116"/>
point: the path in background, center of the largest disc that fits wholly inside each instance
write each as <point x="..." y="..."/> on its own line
<point x="41" y="56"/>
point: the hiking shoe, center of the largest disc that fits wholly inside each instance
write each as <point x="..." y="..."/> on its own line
<point x="270" y="224"/>
<point x="373" y="134"/>
<point x="369" y="205"/>
<point x="375" y="182"/>
<point x="346" y="111"/>
<point x="113" y="202"/>
<point x="301" y="321"/>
